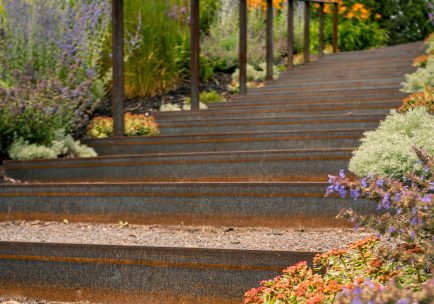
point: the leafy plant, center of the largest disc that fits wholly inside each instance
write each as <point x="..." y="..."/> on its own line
<point x="387" y="151"/>
<point x="419" y="99"/>
<point x="423" y="77"/>
<point x="135" y="125"/>
<point x="396" y="264"/>
<point x="62" y="146"/>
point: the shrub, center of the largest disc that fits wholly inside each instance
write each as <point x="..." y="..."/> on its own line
<point x="423" y="77"/>
<point x="62" y="146"/>
<point x="135" y="125"/>
<point x="419" y="99"/>
<point x="387" y="151"/>
<point x="207" y="97"/>
<point x="395" y="264"/>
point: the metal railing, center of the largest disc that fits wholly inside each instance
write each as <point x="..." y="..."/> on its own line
<point x="118" y="48"/>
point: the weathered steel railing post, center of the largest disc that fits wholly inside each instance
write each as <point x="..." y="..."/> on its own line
<point x="194" y="53"/>
<point x="335" y="27"/>
<point x="118" y="67"/>
<point x="321" y="30"/>
<point x="243" y="47"/>
<point x="306" y="32"/>
<point x="290" y="33"/>
<point x="269" y="75"/>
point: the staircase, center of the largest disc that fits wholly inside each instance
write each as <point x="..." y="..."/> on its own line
<point x="261" y="160"/>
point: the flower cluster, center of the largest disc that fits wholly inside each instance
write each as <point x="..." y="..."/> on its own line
<point x="255" y="4"/>
<point x="135" y="125"/>
<point x="419" y="99"/>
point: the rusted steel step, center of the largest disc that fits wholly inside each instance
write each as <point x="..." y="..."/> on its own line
<point x="357" y="83"/>
<point x="136" y="274"/>
<point x="329" y="93"/>
<point x="274" y="90"/>
<point x="284" y="123"/>
<point x="334" y="68"/>
<point x="245" y="141"/>
<point x="310" y="71"/>
<point x="362" y="107"/>
<point x="267" y="100"/>
<point x="334" y="79"/>
<point x="253" y="166"/>
<point x="272" y="205"/>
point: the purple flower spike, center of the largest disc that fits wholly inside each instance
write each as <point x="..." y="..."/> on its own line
<point x="380" y="183"/>
<point x="342" y="192"/>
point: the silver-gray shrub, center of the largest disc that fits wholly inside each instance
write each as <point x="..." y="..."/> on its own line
<point x="387" y="151"/>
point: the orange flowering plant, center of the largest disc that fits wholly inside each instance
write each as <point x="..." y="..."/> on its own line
<point x="135" y="125"/>
<point x="419" y="99"/>
<point x="358" y="26"/>
<point x="398" y="260"/>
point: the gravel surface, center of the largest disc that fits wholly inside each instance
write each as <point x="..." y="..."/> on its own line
<point x="179" y="236"/>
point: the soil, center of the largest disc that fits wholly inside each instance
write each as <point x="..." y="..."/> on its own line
<point x="219" y="83"/>
<point x="180" y="236"/>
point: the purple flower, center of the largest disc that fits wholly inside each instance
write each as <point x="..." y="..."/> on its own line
<point x="342" y="192"/>
<point x="427" y="198"/>
<point x="412" y="234"/>
<point x="342" y="174"/>
<point x="183" y="10"/>
<point x="431" y="186"/>
<point x="402" y="301"/>
<point x="380" y="183"/>
<point x="355" y="193"/>
<point x="398" y="197"/>
<point x="391" y="230"/>
<point x="364" y="183"/>
<point x="356" y="300"/>
<point x="413" y="221"/>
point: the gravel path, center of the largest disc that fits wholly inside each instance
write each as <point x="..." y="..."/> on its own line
<point x="180" y="236"/>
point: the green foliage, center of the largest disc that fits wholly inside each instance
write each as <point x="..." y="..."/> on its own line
<point x="211" y="97"/>
<point x="206" y="97"/>
<point x="423" y="77"/>
<point x="404" y="20"/>
<point x="256" y="73"/>
<point x="392" y="267"/>
<point x="359" y="35"/>
<point x="62" y="146"/>
<point x="387" y="151"/>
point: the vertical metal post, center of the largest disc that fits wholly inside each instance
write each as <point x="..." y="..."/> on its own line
<point x="269" y="59"/>
<point x="290" y="33"/>
<point x="118" y="67"/>
<point x="194" y="53"/>
<point x="306" y="32"/>
<point x="321" y="30"/>
<point x="335" y="28"/>
<point x="243" y="47"/>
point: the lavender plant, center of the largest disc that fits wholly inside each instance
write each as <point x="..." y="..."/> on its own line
<point x="49" y="67"/>
<point x="406" y="221"/>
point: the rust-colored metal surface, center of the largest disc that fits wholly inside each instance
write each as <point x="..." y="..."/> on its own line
<point x="234" y="204"/>
<point x="85" y="271"/>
